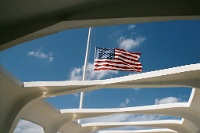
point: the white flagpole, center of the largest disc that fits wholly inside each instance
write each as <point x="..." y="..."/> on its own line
<point x="85" y="66"/>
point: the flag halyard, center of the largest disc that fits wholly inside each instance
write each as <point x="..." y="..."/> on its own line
<point x="117" y="59"/>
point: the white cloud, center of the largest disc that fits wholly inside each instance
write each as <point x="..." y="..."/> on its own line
<point x="167" y="100"/>
<point x="77" y="73"/>
<point x="76" y="94"/>
<point x="124" y="103"/>
<point x="27" y="127"/>
<point x="137" y="89"/>
<point x="129" y="43"/>
<point x="130" y="27"/>
<point x="124" y="118"/>
<point x="128" y="118"/>
<point x="110" y="118"/>
<point x="144" y="117"/>
<point x="41" y="55"/>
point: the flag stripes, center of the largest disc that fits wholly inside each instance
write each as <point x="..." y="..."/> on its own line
<point x="122" y="60"/>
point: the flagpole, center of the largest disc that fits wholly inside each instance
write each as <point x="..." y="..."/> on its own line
<point x="85" y="66"/>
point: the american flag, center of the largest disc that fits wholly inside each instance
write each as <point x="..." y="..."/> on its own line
<point x="117" y="59"/>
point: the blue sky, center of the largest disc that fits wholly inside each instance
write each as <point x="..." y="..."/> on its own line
<point x="61" y="56"/>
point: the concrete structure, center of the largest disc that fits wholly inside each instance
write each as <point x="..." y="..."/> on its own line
<point x="24" y="100"/>
<point x="22" y="21"/>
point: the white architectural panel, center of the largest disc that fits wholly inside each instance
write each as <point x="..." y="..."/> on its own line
<point x="17" y="100"/>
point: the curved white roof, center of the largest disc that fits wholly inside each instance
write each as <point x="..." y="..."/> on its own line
<point x="19" y="97"/>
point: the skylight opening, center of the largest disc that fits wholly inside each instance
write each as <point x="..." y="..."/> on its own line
<point x="64" y="101"/>
<point x="132" y="128"/>
<point x="122" y="98"/>
<point x="131" y="117"/>
<point x="60" y="56"/>
<point x="25" y="126"/>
